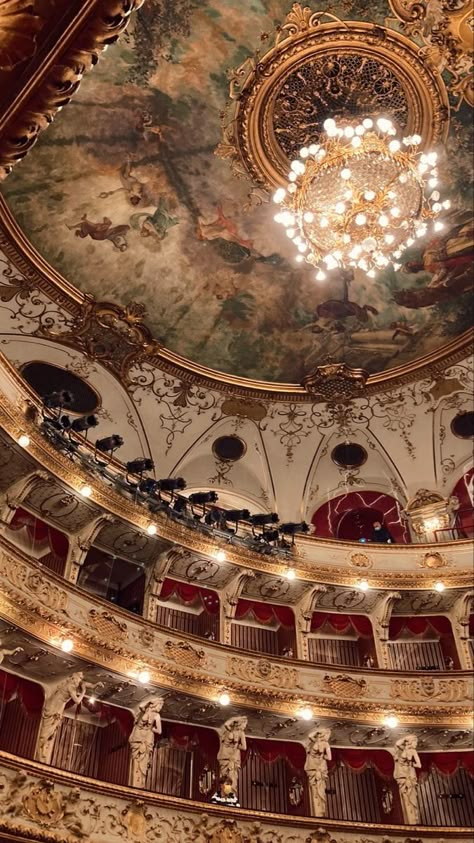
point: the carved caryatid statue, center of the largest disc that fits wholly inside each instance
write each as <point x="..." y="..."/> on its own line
<point x="232" y="741"/>
<point x="318" y="753"/>
<point x="142" y="738"/>
<point x="56" y="699"/>
<point x="407" y="761"/>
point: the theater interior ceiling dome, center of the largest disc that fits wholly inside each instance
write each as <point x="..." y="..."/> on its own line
<point x="126" y="198"/>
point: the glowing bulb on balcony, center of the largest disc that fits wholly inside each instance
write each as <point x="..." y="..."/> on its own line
<point x="143" y="677"/>
<point x="306" y="713"/>
<point x="391" y="721"/>
<point x="440" y="586"/>
<point x="92" y="700"/>
<point x="152" y="530"/>
<point x="23" y="440"/>
<point x="67" y="645"/>
<point x="224" y="699"/>
<point x="221" y="556"/>
<point x="86" y="491"/>
<point x="290" y="574"/>
<point x="363" y="585"/>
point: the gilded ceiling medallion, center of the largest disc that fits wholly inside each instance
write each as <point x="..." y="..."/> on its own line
<point x="326" y="68"/>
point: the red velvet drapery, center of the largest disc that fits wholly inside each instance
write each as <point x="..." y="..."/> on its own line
<point x="30" y="694"/>
<point x="265" y="613"/>
<point x="342" y="623"/>
<point x="187" y="736"/>
<point x="359" y="759"/>
<point x="190" y="594"/>
<point x="419" y="625"/>
<point x="271" y="751"/>
<point x="39" y="532"/>
<point x="447" y="763"/>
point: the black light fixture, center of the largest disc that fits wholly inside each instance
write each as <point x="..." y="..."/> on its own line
<point x="109" y="443"/>
<point x="149" y="486"/>
<point x="236" y="515"/>
<point x="171" y="484"/>
<point x="140" y="465"/>
<point x="83" y="424"/>
<point x="60" y="423"/>
<point x="269" y="536"/>
<point x="291" y="528"/>
<point x="202" y="498"/>
<point x="215" y="517"/>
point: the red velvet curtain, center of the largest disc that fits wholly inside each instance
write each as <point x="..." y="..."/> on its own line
<point x="191" y="594"/>
<point x="187" y="736"/>
<point x="109" y="713"/>
<point x="40" y="532"/>
<point x="419" y="625"/>
<point x="447" y="763"/>
<point x="265" y="613"/>
<point x="271" y="751"/>
<point x="359" y="759"/>
<point x="342" y="623"/>
<point x="29" y="693"/>
<point x="471" y="626"/>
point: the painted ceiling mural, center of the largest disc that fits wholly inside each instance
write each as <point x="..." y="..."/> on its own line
<point x="125" y="196"/>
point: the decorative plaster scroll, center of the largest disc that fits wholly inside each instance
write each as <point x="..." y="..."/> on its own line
<point x="345" y="686"/>
<point x="429" y="688"/>
<point x="263" y="671"/>
<point x="184" y="654"/>
<point x="108" y="626"/>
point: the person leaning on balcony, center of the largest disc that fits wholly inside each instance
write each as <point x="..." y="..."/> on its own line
<point x="224" y="794"/>
<point x="381" y="534"/>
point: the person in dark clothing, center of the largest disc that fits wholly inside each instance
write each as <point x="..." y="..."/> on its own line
<point x="381" y="534"/>
<point x="224" y="794"/>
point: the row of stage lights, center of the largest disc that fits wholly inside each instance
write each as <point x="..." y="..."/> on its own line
<point x="163" y="495"/>
<point x="268" y="535"/>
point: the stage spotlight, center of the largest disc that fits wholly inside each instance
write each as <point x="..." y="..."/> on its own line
<point x="215" y="518"/>
<point x="269" y="536"/>
<point x="201" y="498"/>
<point x="83" y="424"/>
<point x="236" y="515"/>
<point x="263" y="518"/>
<point x="149" y="486"/>
<point x="55" y="400"/>
<point x="139" y="466"/>
<point x="109" y="443"/>
<point x="180" y="506"/>
<point x="171" y="484"/>
<point x="291" y="528"/>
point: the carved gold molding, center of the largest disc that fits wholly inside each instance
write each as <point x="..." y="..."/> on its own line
<point x="47" y="608"/>
<point x="132" y="798"/>
<point x="95" y="28"/>
<point x="87" y="316"/>
<point x="277" y="101"/>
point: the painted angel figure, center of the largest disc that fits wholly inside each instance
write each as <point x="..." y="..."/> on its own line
<point x="232" y="741"/>
<point x="407" y="761"/>
<point x="142" y="738"/>
<point x="318" y="753"/>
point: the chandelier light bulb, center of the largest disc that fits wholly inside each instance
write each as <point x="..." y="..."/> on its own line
<point x="446" y="204"/>
<point x="386" y="206"/>
<point x="320" y="276"/>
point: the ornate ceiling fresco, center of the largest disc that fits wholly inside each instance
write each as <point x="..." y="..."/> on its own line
<point x="125" y="196"/>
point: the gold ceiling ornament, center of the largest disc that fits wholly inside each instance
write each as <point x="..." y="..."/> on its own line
<point x="335" y="382"/>
<point x="18" y="29"/>
<point x="360" y="197"/>
<point x="446" y="29"/>
<point x="317" y="69"/>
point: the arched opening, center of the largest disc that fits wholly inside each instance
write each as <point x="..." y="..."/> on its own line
<point x="358" y="523"/>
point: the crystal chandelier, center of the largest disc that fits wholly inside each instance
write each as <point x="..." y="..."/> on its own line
<point x="359" y="197"/>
